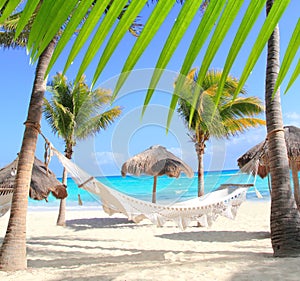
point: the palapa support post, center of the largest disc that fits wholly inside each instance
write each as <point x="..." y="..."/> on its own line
<point x="295" y="182"/>
<point x="156" y="161"/>
<point x="154" y="189"/>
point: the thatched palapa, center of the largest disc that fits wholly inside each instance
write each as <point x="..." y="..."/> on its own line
<point x="156" y="161"/>
<point x="43" y="181"/>
<point x="260" y="154"/>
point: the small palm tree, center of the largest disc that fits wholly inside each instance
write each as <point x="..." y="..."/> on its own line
<point x="75" y="113"/>
<point x="221" y="119"/>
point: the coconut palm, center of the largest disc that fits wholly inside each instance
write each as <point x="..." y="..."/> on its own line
<point x="74" y="113"/>
<point x="13" y="249"/>
<point x="232" y="116"/>
<point x="15" y="237"/>
<point x="220" y="14"/>
<point x="285" y="218"/>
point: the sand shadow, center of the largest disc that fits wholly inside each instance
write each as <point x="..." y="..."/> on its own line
<point x="83" y="224"/>
<point x="217" y="236"/>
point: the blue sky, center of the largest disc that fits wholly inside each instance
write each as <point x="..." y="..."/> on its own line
<point x="129" y="135"/>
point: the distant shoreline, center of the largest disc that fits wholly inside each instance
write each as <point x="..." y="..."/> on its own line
<point x="195" y="173"/>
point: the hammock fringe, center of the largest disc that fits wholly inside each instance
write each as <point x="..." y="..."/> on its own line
<point x="225" y="201"/>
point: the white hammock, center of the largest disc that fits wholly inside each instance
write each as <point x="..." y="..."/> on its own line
<point x="224" y="201"/>
<point x="6" y="195"/>
<point x="7" y="188"/>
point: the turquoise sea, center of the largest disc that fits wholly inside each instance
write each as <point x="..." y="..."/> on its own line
<point x="168" y="189"/>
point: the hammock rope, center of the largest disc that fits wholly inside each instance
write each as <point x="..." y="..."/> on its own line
<point x="224" y="201"/>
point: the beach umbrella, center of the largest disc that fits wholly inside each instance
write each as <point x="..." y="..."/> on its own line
<point x="156" y="161"/>
<point x="259" y="156"/>
<point x="43" y="181"/>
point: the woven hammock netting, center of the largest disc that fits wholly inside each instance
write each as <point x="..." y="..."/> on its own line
<point x="223" y="201"/>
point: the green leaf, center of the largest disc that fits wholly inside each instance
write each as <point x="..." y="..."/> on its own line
<point x="121" y="29"/>
<point x="53" y="29"/>
<point x="229" y="14"/>
<point x="207" y="23"/>
<point x="40" y="26"/>
<point x="10" y="7"/>
<point x="2" y="3"/>
<point x="70" y="29"/>
<point x="152" y="25"/>
<point x="110" y="18"/>
<point x="87" y="28"/>
<point x="185" y="17"/>
<point x="26" y="15"/>
<point x="290" y="54"/>
<point x="294" y="76"/>
<point x="266" y="30"/>
<point x="253" y="11"/>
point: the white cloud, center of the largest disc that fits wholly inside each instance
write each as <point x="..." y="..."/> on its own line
<point x="252" y="137"/>
<point x="292" y="118"/>
<point x="108" y="157"/>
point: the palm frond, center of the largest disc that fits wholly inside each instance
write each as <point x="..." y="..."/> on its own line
<point x="74" y="111"/>
<point x="220" y="119"/>
<point x="94" y="125"/>
<point x="290" y="54"/>
<point x="218" y="16"/>
<point x="243" y="106"/>
<point x="236" y="126"/>
<point x="7" y="40"/>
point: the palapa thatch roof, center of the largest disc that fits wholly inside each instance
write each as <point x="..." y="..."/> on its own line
<point x="156" y="161"/>
<point x="43" y="181"/>
<point x="260" y="152"/>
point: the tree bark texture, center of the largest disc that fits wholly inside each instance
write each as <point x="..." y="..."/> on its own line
<point x="199" y="146"/>
<point x="61" y="219"/>
<point x="13" y="249"/>
<point x="285" y="219"/>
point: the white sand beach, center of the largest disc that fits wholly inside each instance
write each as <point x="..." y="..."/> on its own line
<point x="94" y="246"/>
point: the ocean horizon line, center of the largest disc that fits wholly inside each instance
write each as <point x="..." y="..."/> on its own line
<point x="168" y="189"/>
<point x="183" y="175"/>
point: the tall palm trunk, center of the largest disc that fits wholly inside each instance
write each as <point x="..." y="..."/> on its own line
<point x="285" y="219"/>
<point x="13" y="250"/>
<point x="61" y="219"/>
<point x="200" y="151"/>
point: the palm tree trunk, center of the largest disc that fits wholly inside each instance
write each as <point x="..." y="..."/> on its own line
<point x="13" y="250"/>
<point x="200" y="152"/>
<point x="61" y="219"/>
<point x="285" y="219"/>
<point x="154" y="190"/>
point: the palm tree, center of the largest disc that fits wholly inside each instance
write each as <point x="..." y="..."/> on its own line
<point x="13" y="249"/>
<point x="285" y="218"/>
<point x="217" y="11"/>
<point x="232" y="116"/>
<point x="74" y="113"/>
<point x="15" y="237"/>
